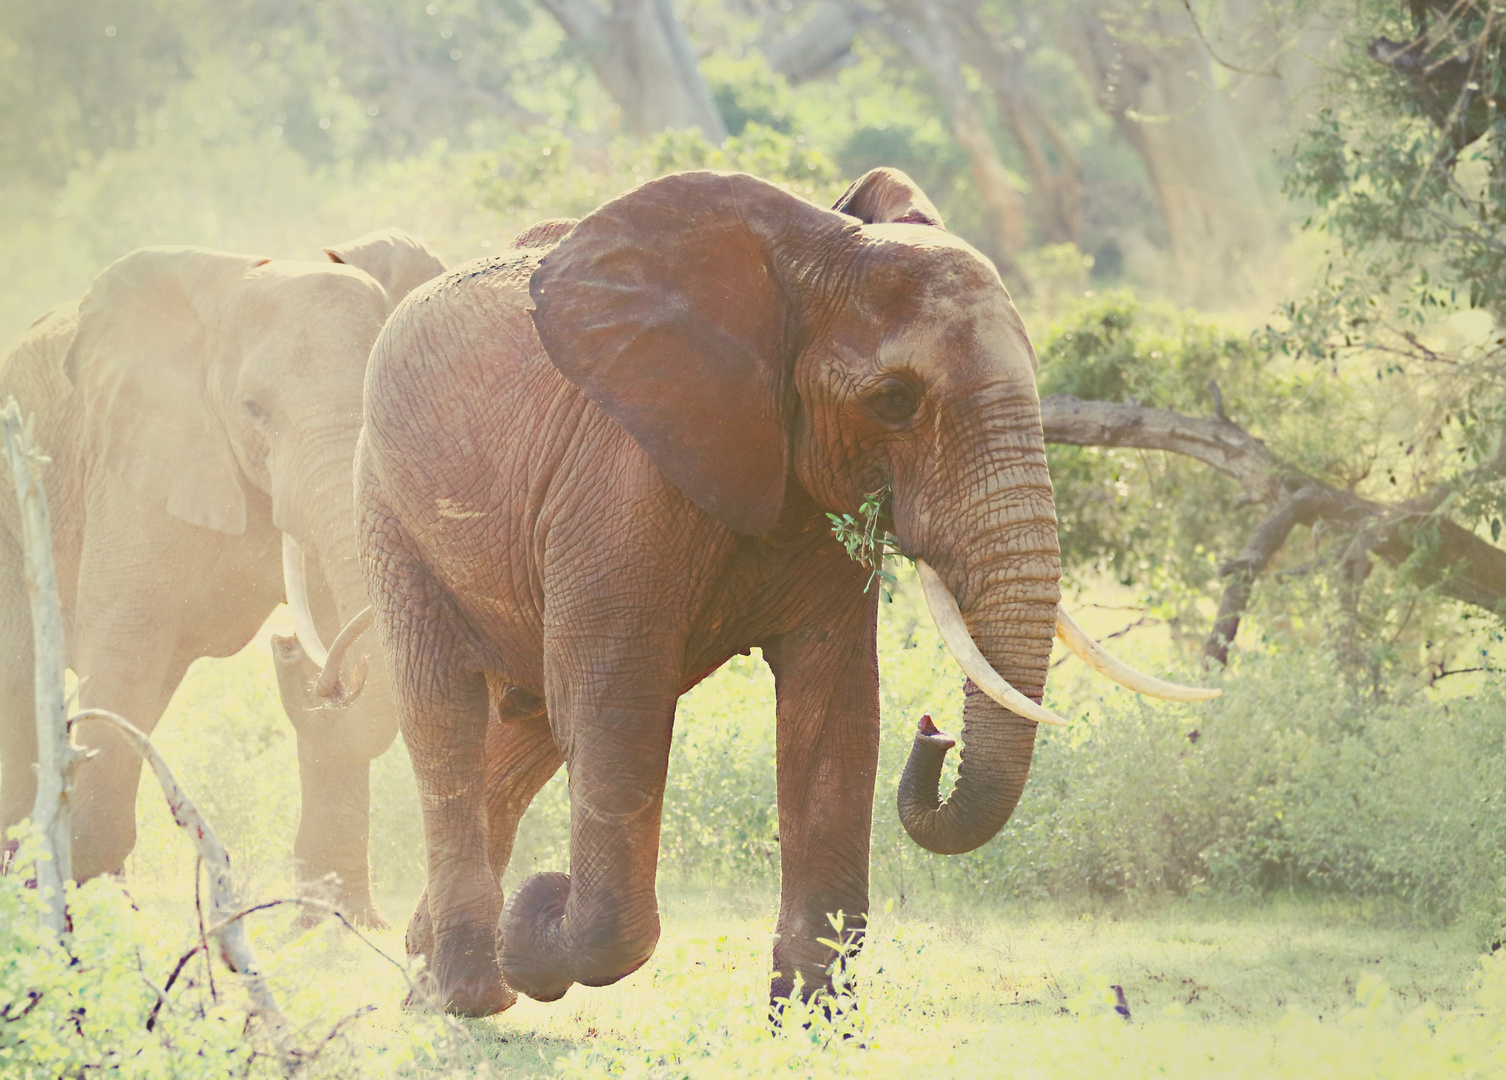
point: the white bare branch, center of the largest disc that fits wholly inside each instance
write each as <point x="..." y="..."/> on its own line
<point x="57" y="757"/>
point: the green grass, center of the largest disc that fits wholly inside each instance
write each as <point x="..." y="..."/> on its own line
<point x="1263" y="894"/>
<point x="1216" y="989"/>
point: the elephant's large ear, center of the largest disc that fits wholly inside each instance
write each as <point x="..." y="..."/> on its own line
<point x="888" y="195"/>
<point x="399" y="261"/>
<point x="144" y="361"/>
<point x="675" y="309"/>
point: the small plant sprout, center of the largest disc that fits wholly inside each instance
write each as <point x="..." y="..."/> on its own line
<point x="865" y="543"/>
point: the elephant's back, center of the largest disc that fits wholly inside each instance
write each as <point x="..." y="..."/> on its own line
<point x="453" y="376"/>
<point x="34" y="372"/>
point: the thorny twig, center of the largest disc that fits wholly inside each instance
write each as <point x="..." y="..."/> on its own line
<point x="418" y="992"/>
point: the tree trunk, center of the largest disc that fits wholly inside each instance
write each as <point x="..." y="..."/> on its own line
<point x="925" y="29"/>
<point x="1051" y="166"/>
<point x="639" y="51"/>
<point x="1155" y="78"/>
<point x="822" y="43"/>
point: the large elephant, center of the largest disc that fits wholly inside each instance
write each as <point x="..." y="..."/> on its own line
<point x="201" y="410"/>
<point x="593" y="470"/>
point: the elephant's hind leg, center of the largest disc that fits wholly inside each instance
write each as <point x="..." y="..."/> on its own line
<point x="520" y="758"/>
<point x="442" y="709"/>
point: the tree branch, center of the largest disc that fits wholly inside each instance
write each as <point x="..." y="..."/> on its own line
<point x="1241" y="571"/>
<point x="1437" y="551"/>
<point x="1222" y="444"/>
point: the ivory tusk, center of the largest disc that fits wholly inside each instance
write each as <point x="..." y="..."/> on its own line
<point x="960" y="643"/>
<point x="329" y="678"/>
<point x="295" y="585"/>
<point x="1098" y="658"/>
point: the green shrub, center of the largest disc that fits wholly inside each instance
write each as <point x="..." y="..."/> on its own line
<point x="99" y="1002"/>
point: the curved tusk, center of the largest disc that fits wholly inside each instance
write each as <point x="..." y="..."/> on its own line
<point x="295" y="585"/>
<point x="1098" y="658"/>
<point x="960" y="643"/>
<point x="329" y="678"/>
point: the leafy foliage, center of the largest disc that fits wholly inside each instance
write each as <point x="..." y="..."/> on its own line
<point x="102" y="1000"/>
<point x="865" y="543"/>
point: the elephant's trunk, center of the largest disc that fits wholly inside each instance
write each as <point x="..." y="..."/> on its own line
<point x="367" y="730"/>
<point x="997" y="743"/>
<point x="335" y="746"/>
<point x="1006" y="584"/>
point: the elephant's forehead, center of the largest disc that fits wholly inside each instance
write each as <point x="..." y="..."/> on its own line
<point x="937" y="306"/>
<point x="298" y="285"/>
<point x="964" y="341"/>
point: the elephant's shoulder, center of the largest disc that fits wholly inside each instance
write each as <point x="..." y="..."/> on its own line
<point x="482" y="296"/>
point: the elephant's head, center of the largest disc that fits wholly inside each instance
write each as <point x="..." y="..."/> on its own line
<point x="218" y="387"/>
<point x="750" y="341"/>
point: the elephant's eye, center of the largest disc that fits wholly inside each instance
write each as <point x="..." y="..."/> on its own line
<point x="256" y="412"/>
<point x="894" y="400"/>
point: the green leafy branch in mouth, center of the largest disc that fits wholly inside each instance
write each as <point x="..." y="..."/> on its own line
<point x="866" y="543"/>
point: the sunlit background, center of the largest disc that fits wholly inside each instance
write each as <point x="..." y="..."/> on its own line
<point x="1282" y="216"/>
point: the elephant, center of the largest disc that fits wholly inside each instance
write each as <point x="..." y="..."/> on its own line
<point x="593" y="469"/>
<point x="201" y="409"/>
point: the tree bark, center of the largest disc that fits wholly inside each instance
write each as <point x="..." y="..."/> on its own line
<point x="639" y="51"/>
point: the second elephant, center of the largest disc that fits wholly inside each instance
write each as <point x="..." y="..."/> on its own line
<point x="201" y="410"/>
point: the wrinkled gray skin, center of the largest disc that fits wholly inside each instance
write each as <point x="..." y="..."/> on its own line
<point x="196" y="404"/>
<point x="579" y="511"/>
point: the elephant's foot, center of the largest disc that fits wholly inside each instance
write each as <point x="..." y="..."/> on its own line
<point x="530" y="934"/>
<point x="815" y="965"/>
<point x="541" y="956"/>
<point x="368" y="918"/>
<point x="463" y="977"/>
<point x="330" y="893"/>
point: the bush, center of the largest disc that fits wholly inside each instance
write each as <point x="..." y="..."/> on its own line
<point x="100" y="1000"/>
<point x="1288" y="781"/>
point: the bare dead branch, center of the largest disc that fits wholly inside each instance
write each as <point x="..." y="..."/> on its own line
<point x="235" y="946"/>
<point x="1222" y="444"/>
<point x="1241" y="571"/>
<point x="57" y="757"/>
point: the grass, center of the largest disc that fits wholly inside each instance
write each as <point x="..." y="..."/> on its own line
<point x="1215" y="989"/>
<point x="959" y="979"/>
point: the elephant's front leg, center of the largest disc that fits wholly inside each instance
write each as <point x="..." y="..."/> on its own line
<point x="334" y="817"/>
<point x="827" y="743"/>
<point x="611" y="702"/>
